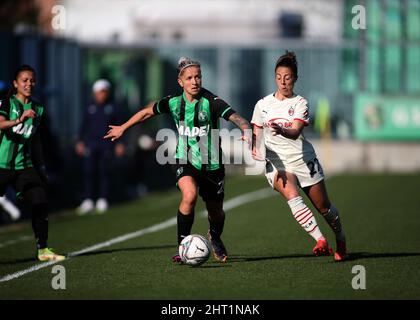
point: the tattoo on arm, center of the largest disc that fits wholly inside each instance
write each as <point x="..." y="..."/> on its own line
<point x="239" y="121"/>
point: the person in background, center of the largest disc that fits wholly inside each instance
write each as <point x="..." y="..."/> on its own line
<point x="97" y="152"/>
<point x="21" y="158"/>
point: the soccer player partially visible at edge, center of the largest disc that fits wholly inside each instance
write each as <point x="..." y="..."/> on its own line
<point x="196" y="114"/>
<point x="279" y="120"/>
<point x="21" y="160"/>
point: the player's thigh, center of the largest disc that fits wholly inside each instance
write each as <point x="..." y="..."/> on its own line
<point x="188" y="187"/>
<point x="286" y="183"/>
<point x="212" y="186"/>
<point x="318" y="195"/>
<point x="29" y="184"/>
<point x="6" y="178"/>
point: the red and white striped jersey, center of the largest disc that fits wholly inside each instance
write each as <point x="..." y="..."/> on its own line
<point x="271" y="110"/>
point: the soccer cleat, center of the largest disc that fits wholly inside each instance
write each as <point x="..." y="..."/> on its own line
<point x="341" y="252"/>
<point x="322" y="248"/>
<point x="47" y="254"/>
<point x="176" y="259"/>
<point x="219" y="250"/>
<point x="85" y="207"/>
<point x="101" y="205"/>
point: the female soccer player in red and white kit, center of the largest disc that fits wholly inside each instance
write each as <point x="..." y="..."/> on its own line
<point x="278" y="122"/>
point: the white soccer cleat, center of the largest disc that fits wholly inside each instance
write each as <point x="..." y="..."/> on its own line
<point x="101" y="205"/>
<point x="85" y="207"/>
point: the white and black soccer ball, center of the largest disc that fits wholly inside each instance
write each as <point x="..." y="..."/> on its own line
<point x="194" y="250"/>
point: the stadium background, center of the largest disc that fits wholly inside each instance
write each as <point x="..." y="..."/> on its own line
<point x="363" y="88"/>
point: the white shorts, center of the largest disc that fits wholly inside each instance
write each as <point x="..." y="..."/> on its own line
<point x="307" y="173"/>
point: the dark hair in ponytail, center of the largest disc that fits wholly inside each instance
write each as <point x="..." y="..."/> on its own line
<point x="288" y="60"/>
<point x="22" y="68"/>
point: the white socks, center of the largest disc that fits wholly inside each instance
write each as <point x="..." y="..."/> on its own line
<point x="305" y="218"/>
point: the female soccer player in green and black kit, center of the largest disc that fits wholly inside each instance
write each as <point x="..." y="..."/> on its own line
<point x="199" y="169"/>
<point x="21" y="162"/>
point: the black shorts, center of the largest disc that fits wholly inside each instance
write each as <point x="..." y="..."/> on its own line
<point x="27" y="183"/>
<point x="211" y="184"/>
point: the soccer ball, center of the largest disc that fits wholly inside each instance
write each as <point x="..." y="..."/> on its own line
<point x="194" y="250"/>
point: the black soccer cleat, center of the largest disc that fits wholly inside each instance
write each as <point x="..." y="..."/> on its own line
<point x="219" y="250"/>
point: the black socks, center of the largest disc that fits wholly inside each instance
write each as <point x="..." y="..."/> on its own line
<point x="184" y="223"/>
<point x="216" y="227"/>
<point x="40" y="225"/>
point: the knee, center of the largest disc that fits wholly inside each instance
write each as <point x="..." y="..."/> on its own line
<point x="36" y="197"/>
<point x="189" y="197"/>
<point x="288" y="194"/>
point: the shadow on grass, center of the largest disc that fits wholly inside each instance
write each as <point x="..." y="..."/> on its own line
<point x="211" y="266"/>
<point x="244" y="258"/>
<point x="235" y="259"/>
<point x="367" y="255"/>
<point x="92" y="253"/>
<point x="351" y="257"/>
<point x="33" y="259"/>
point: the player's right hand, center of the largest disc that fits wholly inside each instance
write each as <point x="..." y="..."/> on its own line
<point x="114" y="133"/>
<point x="27" y="114"/>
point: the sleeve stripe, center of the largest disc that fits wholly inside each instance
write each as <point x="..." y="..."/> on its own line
<point x="225" y="111"/>
<point x="301" y="120"/>
<point x="155" y="108"/>
<point x="257" y="125"/>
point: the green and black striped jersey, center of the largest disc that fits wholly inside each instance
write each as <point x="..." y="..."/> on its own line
<point x="16" y="142"/>
<point x="198" y="127"/>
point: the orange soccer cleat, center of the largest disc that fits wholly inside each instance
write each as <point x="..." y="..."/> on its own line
<point x="322" y="248"/>
<point x="341" y="252"/>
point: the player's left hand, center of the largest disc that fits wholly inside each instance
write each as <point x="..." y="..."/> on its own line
<point x="247" y="140"/>
<point x="247" y="137"/>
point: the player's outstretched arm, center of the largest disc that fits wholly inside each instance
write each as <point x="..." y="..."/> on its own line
<point x="244" y="125"/>
<point x="115" y="132"/>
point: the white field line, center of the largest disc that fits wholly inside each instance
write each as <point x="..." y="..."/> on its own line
<point x="229" y="204"/>
<point x="20" y="239"/>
